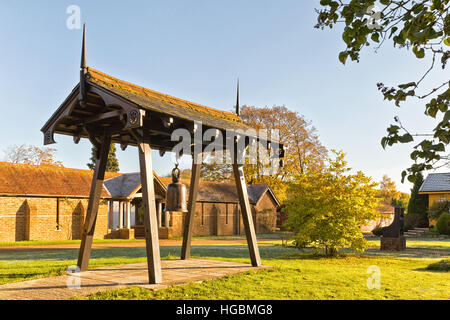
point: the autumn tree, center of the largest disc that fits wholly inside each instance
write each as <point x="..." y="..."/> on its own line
<point x="29" y="154"/>
<point x="112" y="165"/>
<point x="327" y="206"/>
<point x="390" y="194"/>
<point x="212" y="171"/>
<point x="184" y="174"/>
<point x="303" y="150"/>
<point x="420" y="28"/>
<point x="388" y="190"/>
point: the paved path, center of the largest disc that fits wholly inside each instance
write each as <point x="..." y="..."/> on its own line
<point x="113" y="277"/>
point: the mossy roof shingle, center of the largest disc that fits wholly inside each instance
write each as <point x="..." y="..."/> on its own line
<point x="159" y="102"/>
<point x="25" y="179"/>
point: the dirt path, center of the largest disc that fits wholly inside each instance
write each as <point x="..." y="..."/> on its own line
<point x="162" y="243"/>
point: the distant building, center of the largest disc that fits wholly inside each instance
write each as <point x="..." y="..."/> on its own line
<point x="437" y="187"/>
<point x="387" y="216"/>
<point x="49" y="203"/>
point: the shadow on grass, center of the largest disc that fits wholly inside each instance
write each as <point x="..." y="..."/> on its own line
<point x="441" y="266"/>
<point x="408" y="253"/>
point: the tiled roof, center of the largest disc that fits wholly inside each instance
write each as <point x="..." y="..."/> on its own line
<point x="159" y="102"/>
<point x="212" y="191"/>
<point x="123" y="185"/>
<point x="436" y="182"/>
<point x="127" y="184"/>
<point x="24" y="179"/>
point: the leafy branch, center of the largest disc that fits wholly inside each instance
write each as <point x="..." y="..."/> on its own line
<point x="420" y="27"/>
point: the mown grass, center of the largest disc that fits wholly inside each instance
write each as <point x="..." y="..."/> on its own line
<point x="304" y="275"/>
<point x="296" y="274"/>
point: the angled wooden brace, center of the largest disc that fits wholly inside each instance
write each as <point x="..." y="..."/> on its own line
<point x="246" y="210"/>
<point x="150" y="215"/>
<point x="94" y="200"/>
<point x="193" y="190"/>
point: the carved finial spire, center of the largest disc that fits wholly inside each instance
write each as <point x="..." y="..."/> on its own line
<point x="83" y="49"/>
<point x="83" y="71"/>
<point x="238" y="110"/>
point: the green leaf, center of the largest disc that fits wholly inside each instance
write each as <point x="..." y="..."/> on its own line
<point x="406" y="85"/>
<point x="384" y="142"/>
<point x="325" y="2"/>
<point x="343" y="56"/>
<point x="405" y="138"/>
<point x="446" y="117"/>
<point x="419" y="52"/>
<point x="447" y="41"/>
<point x="375" y="37"/>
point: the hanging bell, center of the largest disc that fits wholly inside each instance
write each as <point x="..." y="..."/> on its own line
<point x="176" y="193"/>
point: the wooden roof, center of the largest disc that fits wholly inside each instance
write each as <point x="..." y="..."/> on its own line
<point x="32" y="180"/>
<point x="159" y="102"/>
<point x="126" y="111"/>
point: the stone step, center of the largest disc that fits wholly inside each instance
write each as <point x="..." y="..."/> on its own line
<point x="416" y="231"/>
<point x="422" y="229"/>
<point x="410" y="234"/>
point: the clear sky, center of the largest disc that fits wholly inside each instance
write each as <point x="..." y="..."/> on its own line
<point x="195" y="50"/>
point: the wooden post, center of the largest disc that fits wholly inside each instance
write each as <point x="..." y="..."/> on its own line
<point x="128" y="214"/>
<point x="193" y="190"/>
<point x="120" y="214"/>
<point x="92" y="209"/>
<point x="159" y="214"/>
<point x="246" y="211"/>
<point x="111" y="214"/>
<point x="150" y="220"/>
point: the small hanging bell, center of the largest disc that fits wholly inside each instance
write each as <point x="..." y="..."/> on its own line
<point x="176" y="193"/>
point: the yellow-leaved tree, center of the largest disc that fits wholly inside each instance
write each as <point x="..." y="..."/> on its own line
<point x="327" y="206"/>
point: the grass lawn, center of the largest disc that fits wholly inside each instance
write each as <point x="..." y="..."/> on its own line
<point x="296" y="274"/>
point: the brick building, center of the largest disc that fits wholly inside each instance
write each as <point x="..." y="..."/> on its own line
<point x="49" y="203"/>
<point x="46" y="203"/>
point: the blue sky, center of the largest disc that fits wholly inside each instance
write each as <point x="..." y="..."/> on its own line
<point x="195" y="50"/>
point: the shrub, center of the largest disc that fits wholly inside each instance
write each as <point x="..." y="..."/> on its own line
<point x="415" y="221"/>
<point x="377" y="231"/>
<point x="443" y="224"/>
<point x="438" y="208"/>
<point x="443" y="265"/>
